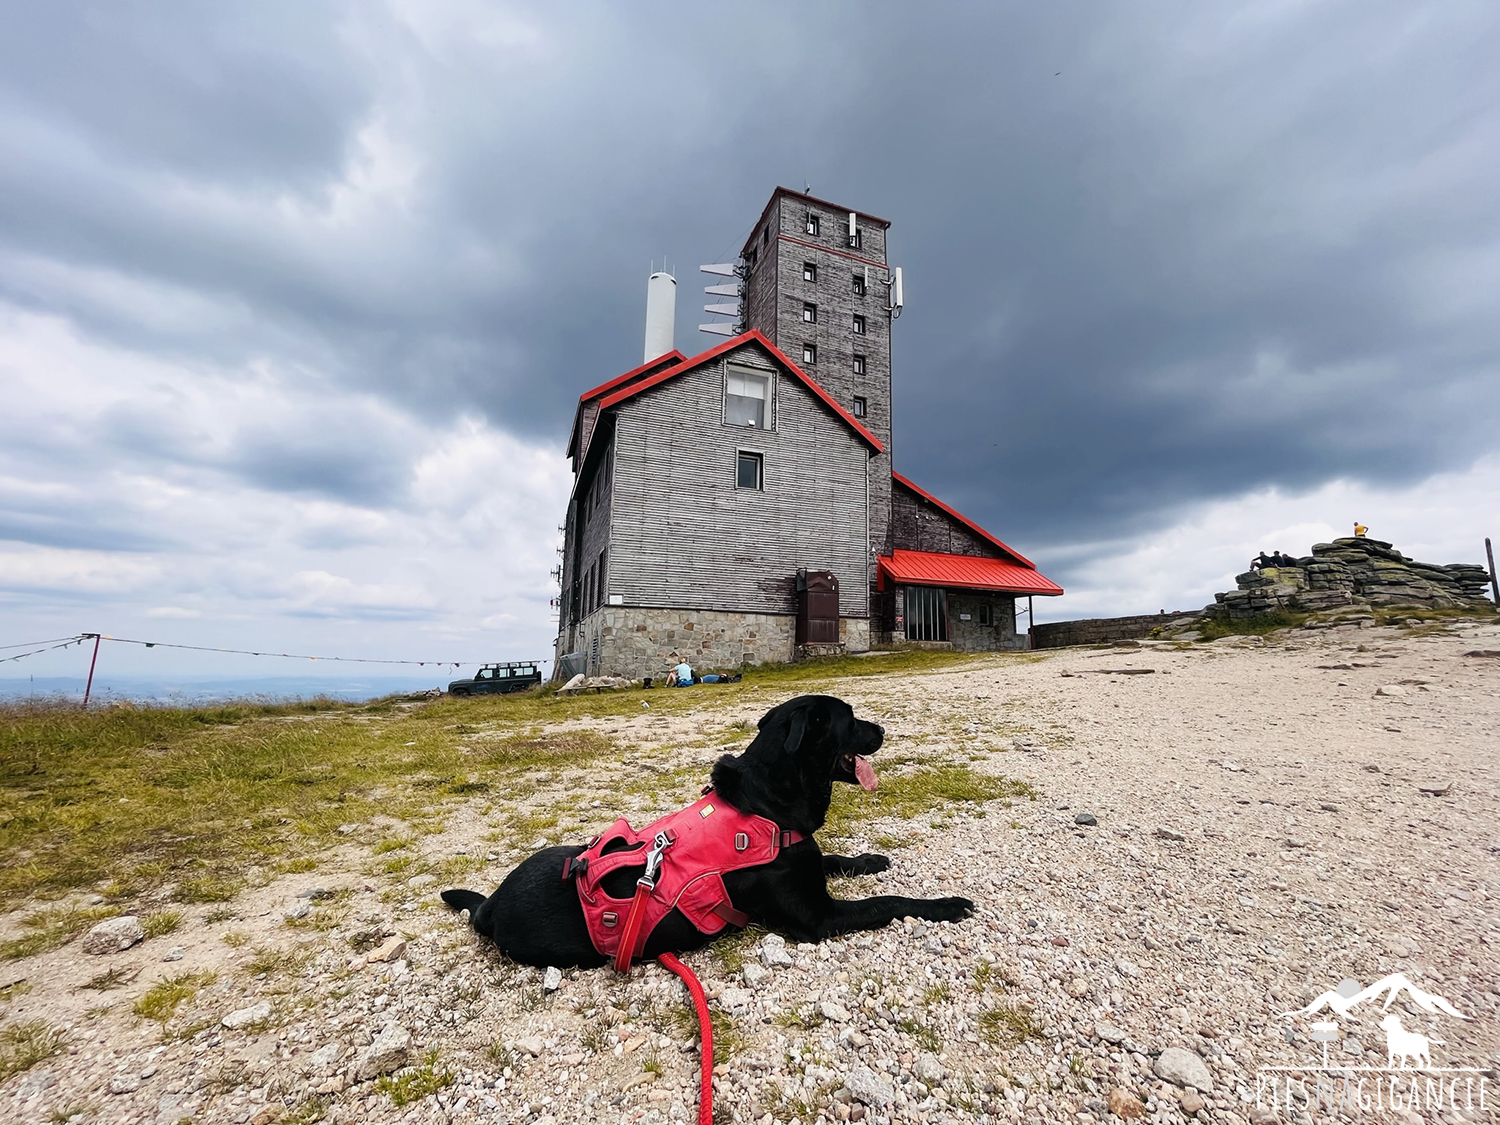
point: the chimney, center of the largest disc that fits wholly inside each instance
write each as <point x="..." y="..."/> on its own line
<point x="661" y="315"/>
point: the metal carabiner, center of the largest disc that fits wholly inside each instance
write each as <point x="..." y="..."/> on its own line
<point x="653" y="859"/>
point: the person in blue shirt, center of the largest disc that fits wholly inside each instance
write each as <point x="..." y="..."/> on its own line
<point x="684" y="673"/>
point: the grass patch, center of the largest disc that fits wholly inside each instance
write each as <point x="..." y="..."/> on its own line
<point x="950" y="788"/>
<point x="727" y="1036"/>
<point x="308" y="1113"/>
<point x="732" y="951"/>
<point x="118" y="977"/>
<point x="1212" y="626"/>
<point x="159" y="923"/>
<point x="161" y="1001"/>
<point x="51" y="929"/>
<point x="1008" y="1025"/>
<point x="23" y="1045"/>
<point x="925" y="1036"/>
<point x="276" y="962"/>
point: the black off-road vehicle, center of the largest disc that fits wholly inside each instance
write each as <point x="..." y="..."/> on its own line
<point x="499" y="679"/>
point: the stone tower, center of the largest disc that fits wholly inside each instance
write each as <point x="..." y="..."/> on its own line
<point x="821" y="294"/>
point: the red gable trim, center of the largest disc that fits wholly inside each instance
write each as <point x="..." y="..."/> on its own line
<point x="927" y="568"/>
<point x="970" y="524"/>
<point x="753" y="336"/>
<point x="671" y="357"/>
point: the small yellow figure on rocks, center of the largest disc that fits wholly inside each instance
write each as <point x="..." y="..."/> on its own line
<point x="1359" y="528"/>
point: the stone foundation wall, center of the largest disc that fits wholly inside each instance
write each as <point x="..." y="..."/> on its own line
<point x="634" y="642"/>
<point x="1101" y="630"/>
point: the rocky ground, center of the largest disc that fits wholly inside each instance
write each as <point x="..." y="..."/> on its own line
<point x="1220" y="833"/>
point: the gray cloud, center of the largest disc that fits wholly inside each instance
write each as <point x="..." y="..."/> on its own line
<point x="1155" y="256"/>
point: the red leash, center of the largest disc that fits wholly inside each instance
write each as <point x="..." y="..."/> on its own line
<point x="670" y="962"/>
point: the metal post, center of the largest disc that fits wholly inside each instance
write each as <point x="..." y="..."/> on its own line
<point x="89" y="687"/>
<point x="1494" y="585"/>
<point x="1030" y="620"/>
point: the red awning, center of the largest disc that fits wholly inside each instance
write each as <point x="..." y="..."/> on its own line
<point x="924" y="568"/>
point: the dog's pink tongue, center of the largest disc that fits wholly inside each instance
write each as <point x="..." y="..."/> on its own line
<point x="864" y="773"/>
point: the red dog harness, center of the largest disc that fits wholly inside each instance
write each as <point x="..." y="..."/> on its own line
<point x="686" y="855"/>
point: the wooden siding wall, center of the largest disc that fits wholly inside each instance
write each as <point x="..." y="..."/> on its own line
<point x="685" y="536"/>
<point x="917" y="525"/>
<point x="774" y="293"/>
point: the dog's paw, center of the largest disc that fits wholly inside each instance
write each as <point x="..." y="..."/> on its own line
<point x="872" y="864"/>
<point x="953" y="909"/>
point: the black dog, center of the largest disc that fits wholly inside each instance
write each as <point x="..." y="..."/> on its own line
<point x="785" y="775"/>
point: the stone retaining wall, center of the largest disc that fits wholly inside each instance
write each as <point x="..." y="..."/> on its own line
<point x="1100" y="630"/>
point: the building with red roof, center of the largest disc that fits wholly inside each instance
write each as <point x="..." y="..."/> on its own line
<point x="740" y="506"/>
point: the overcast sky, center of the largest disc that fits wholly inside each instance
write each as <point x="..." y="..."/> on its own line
<point x="296" y="299"/>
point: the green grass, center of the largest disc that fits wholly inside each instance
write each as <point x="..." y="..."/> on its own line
<point x="732" y="951"/>
<point x="1008" y="1025"/>
<point x="727" y="1036"/>
<point x="908" y="792"/>
<point x="23" y="1045"/>
<point x="117" y="977"/>
<point x="159" y="923"/>
<point x="52" y="928"/>
<point x="137" y="797"/>
<point x="161" y="1001"/>
<point x="1213" y="626"/>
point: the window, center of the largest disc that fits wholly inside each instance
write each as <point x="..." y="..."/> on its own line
<point x="986" y="614"/>
<point x="809" y="353"/>
<point x="745" y="402"/>
<point x="814" y="224"/>
<point x="765" y="236"/>
<point x="856" y="238"/>
<point x="926" y="614"/>
<point x="809" y="313"/>
<point x="748" y="470"/>
<point x="749" y="260"/>
<point x="859" y="365"/>
<point x="860" y="407"/>
<point x="809" y="271"/>
<point x="859" y="325"/>
<point x="603" y="582"/>
<point x="859" y="284"/>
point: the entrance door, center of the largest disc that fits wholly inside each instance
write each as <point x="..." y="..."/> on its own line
<point x="926" y="613"/>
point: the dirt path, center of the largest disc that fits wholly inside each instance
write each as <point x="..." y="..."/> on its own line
<point x="1270" y="820"/>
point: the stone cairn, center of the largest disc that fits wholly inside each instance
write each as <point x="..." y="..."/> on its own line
<point x="1354" y="571"/>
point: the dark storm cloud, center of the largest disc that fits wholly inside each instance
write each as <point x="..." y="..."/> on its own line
<point x="1154" y="253"/>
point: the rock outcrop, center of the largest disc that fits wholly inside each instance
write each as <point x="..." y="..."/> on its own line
<point x="1354" y="571"/>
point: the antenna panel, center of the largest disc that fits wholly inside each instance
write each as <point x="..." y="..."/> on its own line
<point x="722" y="269"/>
<point x="729" y="308"/>
<point x="718" y="328"/>
<point x="722" y="290"/>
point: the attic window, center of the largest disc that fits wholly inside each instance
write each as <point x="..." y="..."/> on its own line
<point x="745" y="399"/>
<point x="813" y="224"/>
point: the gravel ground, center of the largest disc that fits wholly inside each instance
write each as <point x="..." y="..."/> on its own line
<point x="1216" y="840"/>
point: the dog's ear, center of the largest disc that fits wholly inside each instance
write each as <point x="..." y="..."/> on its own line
<point x="796" y="731"/>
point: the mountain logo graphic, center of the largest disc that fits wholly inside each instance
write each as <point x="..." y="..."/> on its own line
<point x="1349" y="995"/>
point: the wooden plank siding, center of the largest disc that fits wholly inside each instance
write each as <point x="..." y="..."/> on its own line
<point x="684" y="536"/>
<point x="917" y="525"/>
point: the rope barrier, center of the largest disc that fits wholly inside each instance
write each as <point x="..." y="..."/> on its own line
<point x="48" y="641"/>
<point x="287" y="655"/>
<point x="33" y="652"/>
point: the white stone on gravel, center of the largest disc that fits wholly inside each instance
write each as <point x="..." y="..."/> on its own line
<point x="552" y="979"/>
<point x="835" y="1012"/>
<point x="299" y="909"/>
<point x="176" y="953"/>
<point x="124" y="1083"/>
<point x="386" y="1053"/>
<point x="244" y="1017"/>
<point x="114" y="935"/>
<point x="754" y="974"/>
<point x="928" y="1069"/>
<point x="1183" y="1068"/>
<point x="421" y="880"/>
<point x="531" y="1045"/>
<point x="1110" y="1033"/>
<point x="392" y="949"/>
<point x="773" y="951"/>
<point x="870" y="1088"/>
<point x="325" y="1056"/>
<point x="736" y="999"/>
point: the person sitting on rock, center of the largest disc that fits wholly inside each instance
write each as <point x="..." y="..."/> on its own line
<point x="1359" y="529"/>
<point x="1263" y="561"/>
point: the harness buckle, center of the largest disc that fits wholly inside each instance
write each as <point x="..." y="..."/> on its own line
<point x="659" y="846"/>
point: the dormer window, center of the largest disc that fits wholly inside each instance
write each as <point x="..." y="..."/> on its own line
<point x="745" y="400"/>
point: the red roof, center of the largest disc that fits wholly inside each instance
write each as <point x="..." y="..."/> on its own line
<point x="970" y="524"/>
<point x="753" y="336"/>
<point x="648" y="368"/>
<point x="926" y="568"/>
